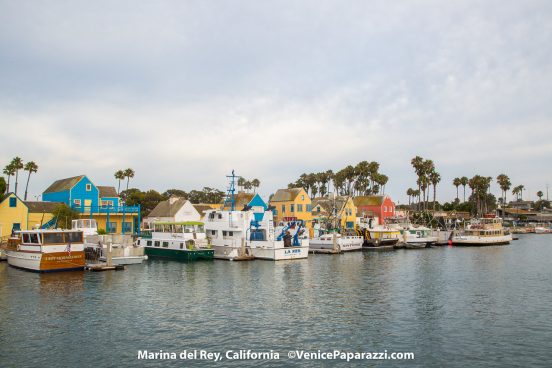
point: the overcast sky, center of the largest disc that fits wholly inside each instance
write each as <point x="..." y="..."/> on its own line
<point x="186" y="91"/>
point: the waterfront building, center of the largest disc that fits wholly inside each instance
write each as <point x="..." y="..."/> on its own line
<point x="342" y="209"/>
<point x="174" y="209"/>
<point x="292" y="204"/>
<point x="16" y="214"/>
<point x="380" y="206"/>
<point x="100" y="203"/>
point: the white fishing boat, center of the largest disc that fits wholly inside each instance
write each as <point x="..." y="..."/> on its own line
<point x="542" y="230"/>
<point x="337" y="242"/>
<point x="237" y="235"/>
<point x="417" y="236"/>
<point x="183" y="241"/>
<point x="483" y="231"/>
<point x="46" y="250"/>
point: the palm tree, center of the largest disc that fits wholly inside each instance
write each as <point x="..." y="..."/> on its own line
<point x="382" y="181"/>
<point x="9" y="171"/>
<point x="417" y="163"/>
<point x="409" y="193"/>
<point x="17" y="164"/>
<point x="521" y="189"/>
<point x="456" y="182"/>
<point x="129" y="173"/>
<point x="434" y="178"/>
<point x="464" y="182"/>
<point x="241" y="182"/>
<point x="31" y="167"/>
<point x="515" y="192"/>
<point x="119" y="175"/>
<point x="504" y="183"/>
<point x="540" y="194"/>
<point x="247" y="186"/>
<point x="255" y="183"/>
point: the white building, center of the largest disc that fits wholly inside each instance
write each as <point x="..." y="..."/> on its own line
<point x="174" y="209"/>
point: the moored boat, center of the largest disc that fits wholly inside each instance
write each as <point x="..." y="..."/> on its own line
<point x="247" y="234"/>
<point x="337" y="242"/>
<point x="182" y="241"/>
<point x="417" y="237"/>
<point x="483" y="231"/>
<point x="46" y="250"/>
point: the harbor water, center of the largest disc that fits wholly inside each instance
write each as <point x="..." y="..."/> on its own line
<point x="453" y="307"/>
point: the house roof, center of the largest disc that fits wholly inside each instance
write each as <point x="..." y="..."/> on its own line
<point x="107" y="191"/>
<point x="63" y="184"/>
<point x="41" y="207"/>
<point x="328" y="203"/>
<point x="168" y="209"/>
<point x="373" y="200"/>
<point x="284" y="195"/>
<point x="242" y="199"/>
<point x="202" y="208"/>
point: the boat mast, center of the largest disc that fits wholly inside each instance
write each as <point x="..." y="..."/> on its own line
<point x="230" y="200"/>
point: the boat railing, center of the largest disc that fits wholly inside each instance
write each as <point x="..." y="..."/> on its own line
<point x="106" y="209"/>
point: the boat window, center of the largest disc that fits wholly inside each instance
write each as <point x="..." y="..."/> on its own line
<point x="26" y="238"/>
<point x="53" y="238"/>
<point x="157" y="243"/>
<point x="165" y="244"/>
<point x="213" y="232"/>
<point x="34" y="239"/>
<point x="200" y="229"/>
<point x="148" y="243"/>
<point x="188" y="228"/>
<point x="73" y="237"/>
<point x="220" y="216"/>
<point x="181" y="245"/>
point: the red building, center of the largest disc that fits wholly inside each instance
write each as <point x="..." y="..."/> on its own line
<point x="375" y="205"/>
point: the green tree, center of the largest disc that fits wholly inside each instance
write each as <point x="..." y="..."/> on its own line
<point x="129" y="173"/>
<point x="64" y="216"/>
<point x="119" y="175"/>
<point x="540" y="194"/>
<point x="174" y="192"/>
<point x="456" y="182"/>
<point x="434" y="178"/>
<point x="3" y="187"/>
<point x="17" y="164"/>
<point x="31" y="167"/>
<point x="464" y="182"/>
<point x="504" y="183"/>
<point x="9" y="170"/>
<point x="256" y="183"/>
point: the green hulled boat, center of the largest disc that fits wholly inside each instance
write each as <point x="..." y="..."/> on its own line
<point x="181" y="241"/>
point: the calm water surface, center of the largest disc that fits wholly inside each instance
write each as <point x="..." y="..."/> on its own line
<point x="452" y="307"/>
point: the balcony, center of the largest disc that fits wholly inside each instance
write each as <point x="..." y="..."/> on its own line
<point x="107" y="209"/>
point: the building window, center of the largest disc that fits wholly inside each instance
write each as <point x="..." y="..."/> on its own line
<point x="106" y="204"/>
<point x="384" y="208"/>
<point x="309" y="208"/>
<point x="88" y="187"/>
<point x="302" y="197"/>
<point x="77" y="202"/>
<point x="275" y="212"/>
<point x="127" y="227"/>
<point x="13" y="202"/>
<point x="299" y="208"/>
<point x="111" y="227"/>
<point x="292" y="208"/>
<point x="283" y="208"/>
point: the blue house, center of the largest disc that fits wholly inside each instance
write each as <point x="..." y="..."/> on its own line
<point x="101" y="203"/>
<point x="258" y="206"/>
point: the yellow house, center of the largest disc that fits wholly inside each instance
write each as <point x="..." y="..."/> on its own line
<point x="16" y="214"/>
<point x="341" y="209"/>
<point x="292" y="204"/>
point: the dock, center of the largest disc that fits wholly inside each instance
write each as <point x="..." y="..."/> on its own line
<point x="324" y="251"/>
<point x="100" y="267"/>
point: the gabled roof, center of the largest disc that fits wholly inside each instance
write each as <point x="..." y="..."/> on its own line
<point x="41" y="207"/>
<point x="284" y="195"/>
<point x="241" y="199"/>
<point x="201" y="208"/>
<point x="327" y="204"/>
<point x="63" y="184"/>
<point x="373" y="200"/>
<point x="257" y="201"/>
<point x="107" y="191"/>
<point x="168" y="209"/>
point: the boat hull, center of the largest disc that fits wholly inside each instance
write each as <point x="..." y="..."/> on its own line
<point x="185" y="255"/>
<point x="474" y="241"/>
<point x="341" y="245"/>
<point x="46" y="262"/>
<point x="280" y="254"/>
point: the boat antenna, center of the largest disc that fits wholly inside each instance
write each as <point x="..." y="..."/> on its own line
<point x="230" y="200"/>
